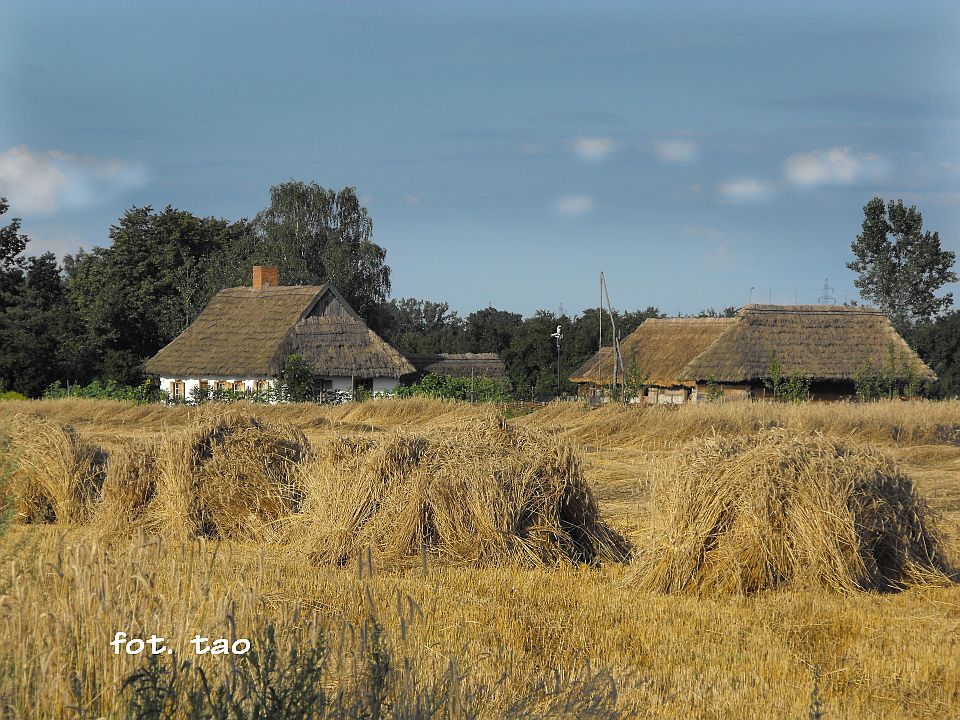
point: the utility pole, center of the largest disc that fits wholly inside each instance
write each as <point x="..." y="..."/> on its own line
<point x="600" y="345"/>
<point x="559" y="336"/>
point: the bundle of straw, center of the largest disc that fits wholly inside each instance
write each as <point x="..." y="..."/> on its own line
<point x="128" y="488"/>
<point x="57" y="476"/>
<point x="470" y="491"/>
<point x="229" y="476"/>
<point x="781" y="508"/>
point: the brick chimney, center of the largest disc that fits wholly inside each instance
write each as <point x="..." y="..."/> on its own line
<point x="265" y="276"/>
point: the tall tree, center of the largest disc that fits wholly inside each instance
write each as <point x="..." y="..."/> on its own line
<point x="36" y="327"/>
<point x="901" y="268"/>
<point x="315" y="235"/>
<point x="12" y="244"/>
<point x="531" y="358"/>
<point x="423" y="326"/>
<point x="35" y="320"/>
<point x="938" y="343"/>
<point x="139" y="293"/>
<point x="491" y="330"/>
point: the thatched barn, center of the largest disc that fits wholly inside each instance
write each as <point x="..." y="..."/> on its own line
<point x="830" y="347"/>
<point x="654" y="355"/>
<point x="480" y="365"/>
<point x="245" y="335"/>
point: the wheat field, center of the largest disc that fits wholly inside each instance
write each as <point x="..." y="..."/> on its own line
<point x="141" y="522"/>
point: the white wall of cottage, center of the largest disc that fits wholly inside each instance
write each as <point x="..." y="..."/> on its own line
<point x="344" y="384"/>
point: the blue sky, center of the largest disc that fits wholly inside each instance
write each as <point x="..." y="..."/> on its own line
<point x="507" y="152"/>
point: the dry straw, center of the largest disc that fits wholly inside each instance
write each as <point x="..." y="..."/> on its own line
<point x="129" y="486"/>
<point x="57" y="476"/>
<point x="229" y="476"/>
<point x="781" y="508"/>
<point x="465" y="491"/>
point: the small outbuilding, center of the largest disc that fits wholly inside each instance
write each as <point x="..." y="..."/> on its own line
<point x="243" y="338"/>
<point x="464" y="365"/>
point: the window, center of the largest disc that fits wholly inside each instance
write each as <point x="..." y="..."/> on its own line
<point x="222" y="385"/>
<point x="262" y="386"/>
<point x="204" y="386"/>
<point x="239" y="386"/>
<point x="178" y="390"/>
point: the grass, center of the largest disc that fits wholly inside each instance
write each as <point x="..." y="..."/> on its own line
<point x="475" y="639"/>
<point x="896" y="422"/>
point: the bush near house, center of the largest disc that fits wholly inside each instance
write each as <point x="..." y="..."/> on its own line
<point x="443" y="387"/>
<point x="146" y="392"/>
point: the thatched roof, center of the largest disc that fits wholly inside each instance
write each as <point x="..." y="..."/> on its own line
<point x="819" y="341"/>
<point x="822" y="342"/>
<point x="345" y="346"/>
<point x="459" y="365"/>
<point x="245" y="332"/>
<point x="659" y="350"/>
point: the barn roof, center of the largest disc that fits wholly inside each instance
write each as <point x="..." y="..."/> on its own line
<point x="659" y="350"/>
<point x="247" y="332"/>
<point x="821" y="342"/>
<point x="459" y="365"/>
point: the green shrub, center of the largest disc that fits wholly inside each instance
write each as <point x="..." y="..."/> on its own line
<point x="147" y="392"/>
<point x="297" y="382"/>
<point x="890" y="381"/>
<point x="445" y="387"/>
<point x="714" y="389"/>
<point x="794" y="387"/>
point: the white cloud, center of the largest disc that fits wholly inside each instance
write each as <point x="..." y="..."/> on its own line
<point x="677" y="151"/>
<point x="837" y="166"/>
<point x="533" y="149"/>
<point x="720" y="254"/>
<point x="29" y="182"/>
<point x="574" y="205"/>
<point x="41" y="183"/>
<point x="746" y="190"/>
<point x="703" y="231"/>
<point x="593" y="149"/>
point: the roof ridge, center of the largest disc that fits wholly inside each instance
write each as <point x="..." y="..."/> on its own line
<point x="690" y="319"/>
<point x="279" y="289"/>
<point x="823" y="309"/>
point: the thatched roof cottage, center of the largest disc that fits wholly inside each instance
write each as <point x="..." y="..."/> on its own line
<point x="655" y="354"/>
<point x="480" y="365"/>
<point x="243" y="338"/>
<point x="831" y="346"/>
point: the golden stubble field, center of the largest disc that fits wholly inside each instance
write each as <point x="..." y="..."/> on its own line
<point x="479" y="636"/>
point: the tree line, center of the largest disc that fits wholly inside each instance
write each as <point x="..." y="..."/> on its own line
<point x="98" y="315"/>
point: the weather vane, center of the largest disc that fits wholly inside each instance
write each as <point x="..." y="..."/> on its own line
<point x="558" y="335"/>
